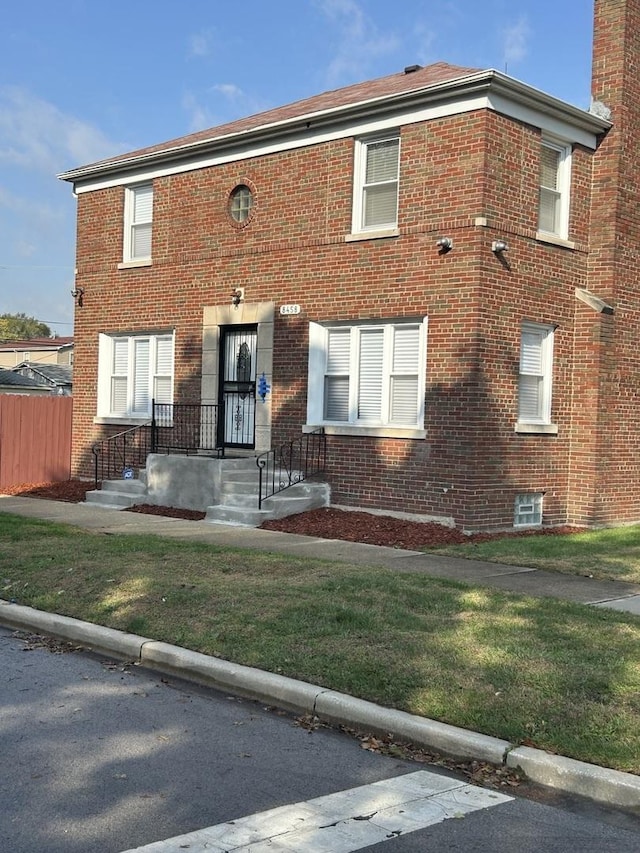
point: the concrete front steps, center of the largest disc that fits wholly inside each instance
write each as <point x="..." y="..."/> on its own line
<point x="236" y="494"/>
<point x="238" y="501"/>
<point x="119" y="494"/>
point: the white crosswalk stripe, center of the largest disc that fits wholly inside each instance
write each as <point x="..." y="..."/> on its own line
<point x="342" y="822"/>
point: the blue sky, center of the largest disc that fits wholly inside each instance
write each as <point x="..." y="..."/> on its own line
<point x="82" y="79"/>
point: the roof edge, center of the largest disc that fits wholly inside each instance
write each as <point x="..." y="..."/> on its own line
<point x="488" y="81"/>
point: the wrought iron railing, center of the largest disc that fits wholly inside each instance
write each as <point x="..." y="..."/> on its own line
<point x="187" y="428"/>
<point x="125" y="451"/>
<point x="174" y="428"/>
<point x="291" y="463"/>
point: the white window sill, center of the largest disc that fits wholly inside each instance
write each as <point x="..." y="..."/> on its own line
<point x="125" y="420"/>
<point x="372" y="235"/>
<point x="132" y="265"/>
<point x="554" y="240"/>
<point x="374" y="432"/>
<point x="536" y="429"/>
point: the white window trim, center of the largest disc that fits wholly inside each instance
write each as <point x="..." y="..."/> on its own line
<point x="542" y="422"/>
<point x="359" y="171"/>
<point x="105" y="414"/>
<point x="316" y="384"/>
<point x="564" y="189"/>
<point x="128" y="259"/>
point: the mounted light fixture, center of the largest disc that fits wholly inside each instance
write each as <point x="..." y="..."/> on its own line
<point x="237" y="296"/>
<point x="444" y="244"/>
<point x="77" y="294"/>
<point x="499" y="246"/>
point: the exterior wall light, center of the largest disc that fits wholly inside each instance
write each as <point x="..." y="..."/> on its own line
<point x="237" y="296"/>
<point x="77" y="294"/>
<point x="444" y="244"/>
<point x="499" y="246"/>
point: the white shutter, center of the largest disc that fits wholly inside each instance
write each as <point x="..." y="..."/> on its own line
<point x="163" y="379"/>
<point x="141" y="367"/>
<point x="119" y="374"/>
<point x="370" y="370"/>
<point x="336" y="387"/>
<point x="405" y="369"/>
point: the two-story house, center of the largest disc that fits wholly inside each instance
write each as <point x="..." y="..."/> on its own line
<point x="437" y="267"/>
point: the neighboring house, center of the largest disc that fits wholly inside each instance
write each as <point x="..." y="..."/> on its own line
<point x="41" y="350"/>
<point x="57" y="377"/>
<point x="439" y="268"/>
<point x="14" y="383"/>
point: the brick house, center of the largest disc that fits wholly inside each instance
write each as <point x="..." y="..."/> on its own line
<point x="438" y="267"/>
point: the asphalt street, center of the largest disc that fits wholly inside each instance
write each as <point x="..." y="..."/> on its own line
<point x="100" y="755"/>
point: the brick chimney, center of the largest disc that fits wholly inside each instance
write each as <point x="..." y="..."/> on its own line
<point x="604" y="470"/>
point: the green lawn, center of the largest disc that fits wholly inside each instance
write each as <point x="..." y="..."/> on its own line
<point x="609" y="554"/>
<point x="560" y="676"/>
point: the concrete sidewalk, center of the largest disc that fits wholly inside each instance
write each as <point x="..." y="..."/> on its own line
<point x="576" y="777"/>
<point x="526" y="581"/>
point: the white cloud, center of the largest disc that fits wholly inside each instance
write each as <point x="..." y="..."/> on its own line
<point x="360" y="42"/>
<point x="200" y="117"/>
<point x="229" y="90"/>
<point x="199" y="44"/>
<point x="37" y="136"/>
<point x="516" y="41"/>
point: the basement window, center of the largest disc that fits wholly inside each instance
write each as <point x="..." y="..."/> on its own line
<point x="528" y="510"/>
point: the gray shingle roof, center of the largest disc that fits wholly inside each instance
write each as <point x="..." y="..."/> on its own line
<point x="10" y="377"/>
<point x="55" y="374"/>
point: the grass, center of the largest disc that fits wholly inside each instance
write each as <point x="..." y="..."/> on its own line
<point x="560" y="676"/>
<point x="609" y="554"/>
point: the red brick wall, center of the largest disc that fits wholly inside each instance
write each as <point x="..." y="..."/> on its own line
<point x="472" y="463"/>
<point x="605" y="470"/>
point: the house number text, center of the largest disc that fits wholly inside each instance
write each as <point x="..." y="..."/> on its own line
<point x="289" y="309"/>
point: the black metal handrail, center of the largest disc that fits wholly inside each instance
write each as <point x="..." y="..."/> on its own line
<point x="291" y="463"/>
<point x="174" y="428"/>
<point x="126" y="450"/>
<point x="187" y="428"/>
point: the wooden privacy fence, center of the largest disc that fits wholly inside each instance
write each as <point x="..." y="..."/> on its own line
<point x="35" y="439"/>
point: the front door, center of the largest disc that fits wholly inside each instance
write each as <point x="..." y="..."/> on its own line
<point x="238" y="385"/>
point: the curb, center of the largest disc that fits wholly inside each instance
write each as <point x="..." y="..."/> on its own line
<point x="611" y="787"/>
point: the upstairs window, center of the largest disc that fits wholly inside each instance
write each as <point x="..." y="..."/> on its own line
<point x="536" y="363"/>
<point x="138" y="219"/>
<point x="553" y="214"/>
<point x="376" y="184"/>
<point x="133" y="370"/>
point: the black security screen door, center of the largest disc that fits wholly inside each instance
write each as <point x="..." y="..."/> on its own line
<point x="238" y="385"/>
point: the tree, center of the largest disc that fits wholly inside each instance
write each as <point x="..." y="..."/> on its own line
<point x="19" y="327"/>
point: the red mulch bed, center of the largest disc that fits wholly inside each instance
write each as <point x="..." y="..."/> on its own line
<point x="326" y="523"/>
<point x="73" y="491"/>
<point x="168" y="511"/>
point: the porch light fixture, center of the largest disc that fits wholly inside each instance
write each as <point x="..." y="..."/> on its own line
<point x="499" y="246"/>
<point x="444" y="244"/>
<point x="237" y="296"/>
<point x="77" y="294"/>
